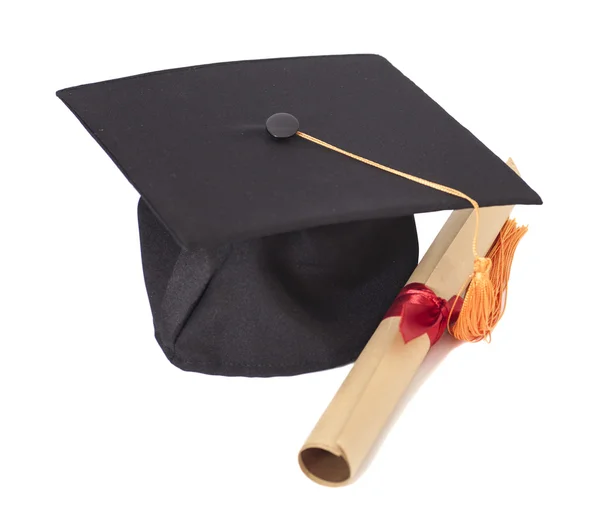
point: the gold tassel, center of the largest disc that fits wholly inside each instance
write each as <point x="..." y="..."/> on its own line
<point x="485" y="299"/>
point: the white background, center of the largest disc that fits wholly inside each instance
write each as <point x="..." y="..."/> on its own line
<point x="94" y="421"/>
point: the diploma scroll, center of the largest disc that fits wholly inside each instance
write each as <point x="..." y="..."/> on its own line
<point x="351" y="424"/>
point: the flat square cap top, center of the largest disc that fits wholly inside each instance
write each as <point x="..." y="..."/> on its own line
<point x="193" y="143"/>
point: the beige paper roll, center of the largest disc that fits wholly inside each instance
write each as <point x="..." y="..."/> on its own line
<point x="344" y="435"/>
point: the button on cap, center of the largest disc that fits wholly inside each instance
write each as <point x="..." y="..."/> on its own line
<point x="282" y="125"/>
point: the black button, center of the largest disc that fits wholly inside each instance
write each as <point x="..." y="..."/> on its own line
<point x="282" y="125"/>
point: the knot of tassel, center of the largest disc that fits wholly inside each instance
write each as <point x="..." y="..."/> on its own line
<point x="482" y="265"/>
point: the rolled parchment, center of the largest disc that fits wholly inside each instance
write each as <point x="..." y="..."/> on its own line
<point x="347" y="430"/>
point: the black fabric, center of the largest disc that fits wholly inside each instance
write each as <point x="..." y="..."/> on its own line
<point x="264" y="257"/>
<point x="193" y="142"/>
<point x="278" y="305"/>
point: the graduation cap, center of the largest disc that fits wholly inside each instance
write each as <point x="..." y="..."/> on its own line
<point x="263" y="253"/>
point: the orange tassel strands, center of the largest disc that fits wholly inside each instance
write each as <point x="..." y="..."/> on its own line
<point x="485" y="299"/>
<point x="502" y="254"/>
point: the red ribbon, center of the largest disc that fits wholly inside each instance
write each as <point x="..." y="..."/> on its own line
<point x="423" y="312"/>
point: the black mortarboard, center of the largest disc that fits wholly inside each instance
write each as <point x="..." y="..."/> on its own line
<point x="266" y="256"/>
